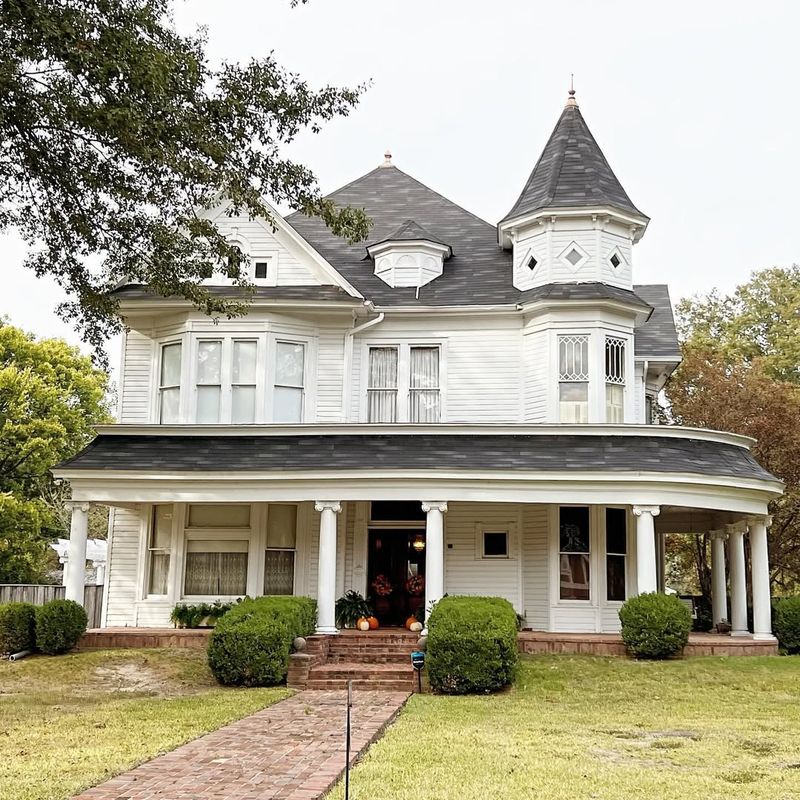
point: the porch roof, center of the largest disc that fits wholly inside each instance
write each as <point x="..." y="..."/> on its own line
<point x="478" y="450"/>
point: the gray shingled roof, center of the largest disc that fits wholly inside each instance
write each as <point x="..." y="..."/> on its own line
<point x="657" y="338"/>
<point x="584" y="291"/>
<point x="571" y="172"/>
<point x="136" y="291"/>
<point x="545" y="453"/>
<point x="409" y="231"/>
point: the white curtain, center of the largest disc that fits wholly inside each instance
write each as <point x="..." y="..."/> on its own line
<point x="289" y="382"/>
<point x="209" y="372"/>
<point x="216" y="568"/>
<point x="382" y="389"/>
<point x="170" y="382"/>
<point x="243" y="380"/>
<point x="424" y="385"/>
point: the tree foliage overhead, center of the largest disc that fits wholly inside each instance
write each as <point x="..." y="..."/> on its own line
<point x="116" y="132"/>
<point x="738" y="374"/>
<point x="51" y="396"/>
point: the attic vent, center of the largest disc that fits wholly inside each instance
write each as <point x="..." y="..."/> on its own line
<point x="574" y="257"/>
<point x="261" y="270"/>
<point x="615" y="260"/>
<point x="532" y="262"/>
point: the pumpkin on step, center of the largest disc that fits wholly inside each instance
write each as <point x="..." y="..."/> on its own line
<point x="410" y="621"/>
<point x="415" y="626"/>
<point x="373" y="623"/>
<point x="362" y="624"/>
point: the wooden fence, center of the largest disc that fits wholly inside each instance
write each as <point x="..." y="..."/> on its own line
<point x="39" y="594"/>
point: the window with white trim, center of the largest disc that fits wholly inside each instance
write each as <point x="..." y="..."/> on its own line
<point x="243" y="380"/>
<point x="208" y="381"/>
<point x="615" y="379"/>
<point x="494" y="543"/>
<point x="217" y="545"/>
<point x="289" y="390"/>
<point x="404" y="383"/>
<point x="574" y="546"/>
<point x="158" y="549"/>
<point x="279" y="556"/>
<point x="616" y="554"/>
<point x="169" y="383"/>
<point x="573" y="378"/>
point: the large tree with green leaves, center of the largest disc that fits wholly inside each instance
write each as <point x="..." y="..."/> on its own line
<point x="51" y="396"/>
<point x="116" y="133"/>
<point x="741" y="372"/>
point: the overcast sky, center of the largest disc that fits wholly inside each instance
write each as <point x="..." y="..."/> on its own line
<point x="694" y="105"/>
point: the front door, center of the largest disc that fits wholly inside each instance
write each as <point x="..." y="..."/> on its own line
<point x="396" y="573"/>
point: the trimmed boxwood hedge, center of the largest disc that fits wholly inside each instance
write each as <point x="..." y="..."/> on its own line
<point x="17" y="627"/>
<point x="250" y="645"/>
<point x="472" y="645"/>
<point x="655" y="625"/>
<point x="59" y="625"/>
<point x="786" y="623"/>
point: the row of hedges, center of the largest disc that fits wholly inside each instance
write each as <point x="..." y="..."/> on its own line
<point x="786" y="623"/>
<point x="52" y="628"/>
<point x="250" y="645"/>
<point x="472" y="645"/>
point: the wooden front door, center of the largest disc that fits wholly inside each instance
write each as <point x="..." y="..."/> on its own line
<point x="394" y="557"/>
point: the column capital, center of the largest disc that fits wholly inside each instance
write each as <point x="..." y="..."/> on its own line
<point x="434" y="505"/>
<point x="653" y="511"/>
<point x="755" y="519"/>
<point x="736" y="528"/>
<point x="328" y="505"/>
<point x="719" y="534"/>
<point x="80" y="505"/>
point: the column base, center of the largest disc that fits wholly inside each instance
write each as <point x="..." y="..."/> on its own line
<point x="741" y="633"/>
<point x="764" y="637"/>
<point x="327" y="631"/>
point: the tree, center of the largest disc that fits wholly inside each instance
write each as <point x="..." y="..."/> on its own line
<point x="117" y="133"/>
<point x="51" y="396"/>
<point x="737" y="374"/>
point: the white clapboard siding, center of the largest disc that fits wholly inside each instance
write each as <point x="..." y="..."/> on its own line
<point x="330" y="375"/>
<point x="138" y="355"/>
<point x="122" y="573"/>
<point x="535" y="359"/>
<point x="535" y="570"/>
<point x="575" y="619"/>
<point x="349" y="511"/>
<point x="465" y="571"/>
<point x="609" y="618"/>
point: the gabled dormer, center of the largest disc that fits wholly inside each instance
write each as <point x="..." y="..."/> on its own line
<point x="573" y="221"/>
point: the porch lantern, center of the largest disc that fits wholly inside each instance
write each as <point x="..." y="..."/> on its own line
<point x="418" y="544"/>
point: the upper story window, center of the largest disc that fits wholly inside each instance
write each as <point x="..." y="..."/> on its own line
<point x="403" y="384"/>
<point x="290" y="359"/>
<point x="169" y="384"/>
<point x="615" y="379"/>
<point x="573" y="378"/>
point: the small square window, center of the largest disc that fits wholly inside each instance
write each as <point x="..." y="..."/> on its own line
<point x="615" y="260"/>
<point x="574" y="257"/>
<point x="532" y="262"/>
<point x="495" y="544"/>
<point x="261" y="270"/>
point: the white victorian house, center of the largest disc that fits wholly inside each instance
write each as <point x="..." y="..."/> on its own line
<point x="466" y="402"/>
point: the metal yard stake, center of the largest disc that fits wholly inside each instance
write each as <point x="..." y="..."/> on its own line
<point x="347" y="742"/>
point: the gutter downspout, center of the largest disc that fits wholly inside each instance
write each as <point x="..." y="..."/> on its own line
<point x="348" y="361"/>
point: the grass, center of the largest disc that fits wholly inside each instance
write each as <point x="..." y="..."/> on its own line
<point x="583" y="727"/>
<point x="72" y="721"/>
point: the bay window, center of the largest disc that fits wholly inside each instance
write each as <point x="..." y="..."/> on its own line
<point x="169" y="384"/>
<point x="616" y="554"/>
<point x="158" y="549"/>
<point x="279" y="556"/>
<point x="209" y="381"/>
<point x="574" y="553"/>
<point x="288" y="391"/>
<point x="243" y="381"/>
<point x="615" y="379"/>
<point x="573" y="378"/>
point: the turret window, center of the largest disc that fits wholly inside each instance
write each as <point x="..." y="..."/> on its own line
<point x="574" y="257"/>
<point x="573" y="378"/>
<point x="615" y="379"/>
<point x="615" y="260"/>
<point x="532" y="262"/>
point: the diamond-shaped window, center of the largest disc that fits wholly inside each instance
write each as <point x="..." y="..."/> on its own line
<point x="574" y="257"/>
<point x="532" y="262"/>
<point x="615" y="260"/>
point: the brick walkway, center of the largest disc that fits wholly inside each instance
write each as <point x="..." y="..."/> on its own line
<point x="293" y="750"/>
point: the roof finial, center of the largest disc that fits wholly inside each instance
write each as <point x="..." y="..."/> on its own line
<point x="571" y="101"/>
<point x="387" y="158"/>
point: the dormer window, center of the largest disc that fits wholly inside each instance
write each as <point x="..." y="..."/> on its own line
<point x="409" y="256"/>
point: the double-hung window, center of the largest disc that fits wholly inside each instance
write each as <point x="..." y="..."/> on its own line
<point x="289" y="389"/>
<point x="403" y="384"/>
<point x="616" y="554"/>
<point x="615" y="379"/>
<point x="169" y="383"/>
<point x="280" y="552"/>
<point x="243" y="380"/>
<point x="208" y="380"/>
<point x="158" y="549"/>
<point x="573" y="378"/>
<point x="574" y="545"/>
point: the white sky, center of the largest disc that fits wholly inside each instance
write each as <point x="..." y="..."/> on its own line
<point x="694" y="104"/>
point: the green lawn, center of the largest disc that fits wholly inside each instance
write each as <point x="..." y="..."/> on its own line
<point x="585" y="727"/>
<point x="69" y="722"/>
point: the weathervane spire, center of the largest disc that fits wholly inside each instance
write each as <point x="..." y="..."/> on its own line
<point x="571" y="101"/>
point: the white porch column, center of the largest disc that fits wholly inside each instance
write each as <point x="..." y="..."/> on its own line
<point x="759" y="564"/>
<point x="719" y="583"/>
<point x="646" y="577"/>
<point x="76" y="562"/>
<point x="434" y="552"/>
<point x="326" y="574"/>
<point x="738" y="579"/>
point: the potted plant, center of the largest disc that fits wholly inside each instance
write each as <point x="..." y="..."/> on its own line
<point x="382" y="587"/>
<point x="350" y="608"/>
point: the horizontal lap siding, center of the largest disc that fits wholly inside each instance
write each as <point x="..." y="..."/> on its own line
<point x="136" y="378"/>
<point x="535" y="357"/>
<point x="577" y="619"/>
<point x="330" y="372"/>
<point x="121" y="580"/>
<point x="609" y="619"/>
<point x="465" y="571"/>
<point x="535" y="566"/>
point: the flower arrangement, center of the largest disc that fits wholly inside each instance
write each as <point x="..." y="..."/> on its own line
<point x="415" y="585"/>
<point x="382" y="586"/>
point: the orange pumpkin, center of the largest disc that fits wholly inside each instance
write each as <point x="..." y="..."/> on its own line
<point x="362" y="624"/>
<point x="410" y="621"/>
<point x="373" y="623"/>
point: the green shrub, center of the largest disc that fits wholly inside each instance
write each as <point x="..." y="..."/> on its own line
<point x="472" y="645"/>
<point x="786" y="623"/>
<point x="655" y="625"/>
<point x="59" y="625"/>
<point x="188" y="615"/>
<point x="250" y="645"/>
<point x="17" y="627"/>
